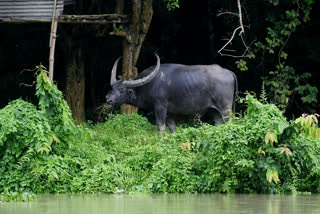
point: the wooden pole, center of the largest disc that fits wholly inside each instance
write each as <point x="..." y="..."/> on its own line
<point x="52" y="49"/>
<point x="74" y="19"/>
<point x="52" y="42"/>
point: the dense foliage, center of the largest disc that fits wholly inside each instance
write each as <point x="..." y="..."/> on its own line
<point x="33" y="139"/>
<point x="41" y="150"/>
<point x="7" y="196"/>
<point x="282" y="21"/>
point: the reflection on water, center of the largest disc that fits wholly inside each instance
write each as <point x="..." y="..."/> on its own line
<point x="170" y="203"/>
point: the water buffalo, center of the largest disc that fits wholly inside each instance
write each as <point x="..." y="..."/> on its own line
<point x="175" y="89"/>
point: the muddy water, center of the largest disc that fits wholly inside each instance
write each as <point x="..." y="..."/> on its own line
<point x="169" y="203"/>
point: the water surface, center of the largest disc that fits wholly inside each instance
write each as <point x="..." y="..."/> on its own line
<point x="167" y="203"/>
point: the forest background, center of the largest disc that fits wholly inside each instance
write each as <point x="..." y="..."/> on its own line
<point x="283" y="50"/>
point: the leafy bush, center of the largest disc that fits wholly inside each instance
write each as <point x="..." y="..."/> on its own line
<point x="24" y="134"/>
<point x="30" y="139"/>
<point x="53" y="105"/>
<point x="41" y="150"/>
<point x="260" y="153"/>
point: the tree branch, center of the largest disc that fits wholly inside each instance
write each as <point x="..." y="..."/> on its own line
<point x="230" y="40"/>
<point x="241" y="33"/>
<point x="240" y="17"/>
<point x="119" y="33"/>
<point x="227" y="13"/>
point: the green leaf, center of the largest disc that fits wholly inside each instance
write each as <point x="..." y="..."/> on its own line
<point x="54" y="175"/>
<point x="272" y="175"/>
<point x="283" y="55"/>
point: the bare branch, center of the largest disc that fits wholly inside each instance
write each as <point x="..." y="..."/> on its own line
<point x="118" y="33"/>
<point x="26" y="69"/>
<point x="227" y="13"/>
<point x="229" y="50"/>
<point x="26" y="85"/>
<point x="240" y="17"/>
<point x="243" y="41"/>
<point x="230" y="40"/>
<point x="241" y="34"/>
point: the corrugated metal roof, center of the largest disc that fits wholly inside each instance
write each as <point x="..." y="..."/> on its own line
<point x="30" y="9"/>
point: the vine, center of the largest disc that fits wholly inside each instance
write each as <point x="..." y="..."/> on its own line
<point x="172" y="4"/>
<point x="283" y="83"/>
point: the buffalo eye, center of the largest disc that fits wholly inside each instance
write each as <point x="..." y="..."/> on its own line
<point x="130" y="92"/>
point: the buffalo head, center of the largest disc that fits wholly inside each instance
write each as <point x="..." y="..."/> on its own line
<point x="123" y="91"/>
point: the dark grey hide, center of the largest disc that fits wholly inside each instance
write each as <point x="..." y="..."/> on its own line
<point x="179" y="90"/>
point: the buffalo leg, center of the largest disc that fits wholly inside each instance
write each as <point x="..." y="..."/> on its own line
<point x="171" y="123"/>
<point x="160" y="113"/>
<point x="226" y="115"/>
<point x="217" y="118"/>
<point x="221" y="116"/>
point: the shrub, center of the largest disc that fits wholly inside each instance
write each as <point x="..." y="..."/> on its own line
<point x="261" y="152"/>
<point x="31" y="138"/>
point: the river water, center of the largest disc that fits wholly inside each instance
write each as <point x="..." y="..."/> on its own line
<point x="166" y="203"/>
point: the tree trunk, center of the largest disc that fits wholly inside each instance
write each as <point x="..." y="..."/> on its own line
<point x="128" y="73"/>
<point x="75" y="75"/>
<point x="75" y="81"/>
<point x="134" y="35"/>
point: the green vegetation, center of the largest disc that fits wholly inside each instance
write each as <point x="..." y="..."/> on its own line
<point x="282" y="21"/>
<point x="7" y="196"/>
<point x="172" y="4"/>
<point x="41" y="150"/>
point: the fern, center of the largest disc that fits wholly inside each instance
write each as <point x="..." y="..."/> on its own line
<point x="30" y="153"/>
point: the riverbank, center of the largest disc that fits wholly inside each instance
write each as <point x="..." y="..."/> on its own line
<point x="42" y="151"/>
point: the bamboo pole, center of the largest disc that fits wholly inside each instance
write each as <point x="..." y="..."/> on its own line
<point x="52" y="42"/>
<point x="52" y="49"/>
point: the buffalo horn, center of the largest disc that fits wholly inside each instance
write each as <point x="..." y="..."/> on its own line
<point x="113" y="79"/>
<point x="144" y="80"/>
